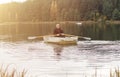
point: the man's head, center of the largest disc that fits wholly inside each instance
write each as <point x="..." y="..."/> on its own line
<point x="57" y="25"/>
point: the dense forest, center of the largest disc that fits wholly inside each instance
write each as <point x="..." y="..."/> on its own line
<point x="60" y="10"/>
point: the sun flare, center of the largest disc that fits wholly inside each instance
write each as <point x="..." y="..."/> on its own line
<point x="8" y="1"/>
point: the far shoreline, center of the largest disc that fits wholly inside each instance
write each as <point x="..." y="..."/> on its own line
<point x="62" y="22"/>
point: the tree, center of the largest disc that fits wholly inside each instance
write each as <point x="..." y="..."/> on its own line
<point x="54" y="10"/>
<point x="107" y="8"/>
<point x="116" y="14"/>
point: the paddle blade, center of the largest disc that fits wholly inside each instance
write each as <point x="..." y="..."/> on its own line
<point x="31" y="38"/>
<point x="86" y="38"/>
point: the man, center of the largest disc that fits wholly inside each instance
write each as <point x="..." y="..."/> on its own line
<point x="58" y="31"/>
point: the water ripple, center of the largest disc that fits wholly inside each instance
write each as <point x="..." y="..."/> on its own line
<point x="55" y="60"/>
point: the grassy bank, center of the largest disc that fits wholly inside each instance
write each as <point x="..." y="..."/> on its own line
<point x="114" y="22"/>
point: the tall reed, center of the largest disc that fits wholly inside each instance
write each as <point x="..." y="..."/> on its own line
<point x="6" y="72"/>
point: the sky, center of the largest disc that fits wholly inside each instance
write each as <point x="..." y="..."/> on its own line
<point x="8" y="1"/>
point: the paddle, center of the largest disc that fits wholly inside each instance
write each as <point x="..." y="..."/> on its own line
<point x="86" y="38"/>
<point x="36" y="37"/>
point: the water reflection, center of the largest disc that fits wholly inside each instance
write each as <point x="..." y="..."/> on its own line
<point x="58" y="50"/>
<point x="95" y="31"/>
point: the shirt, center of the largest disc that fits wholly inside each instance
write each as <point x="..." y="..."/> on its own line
<point x="58" y="31"/>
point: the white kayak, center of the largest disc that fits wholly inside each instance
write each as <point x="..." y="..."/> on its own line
<point x="68" y="40"/>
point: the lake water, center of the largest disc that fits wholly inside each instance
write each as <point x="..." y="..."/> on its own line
<point x="100" y="54"/>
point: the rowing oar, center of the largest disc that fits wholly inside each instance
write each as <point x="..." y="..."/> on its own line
<point x="34" y="37"/>
<point x="86" y="38"/>
<point x="37" y="37"/>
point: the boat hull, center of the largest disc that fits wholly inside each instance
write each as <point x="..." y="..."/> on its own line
<point x="61" y="40"/>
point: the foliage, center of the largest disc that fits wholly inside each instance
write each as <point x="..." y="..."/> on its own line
<point x="64" y="10"/>
<point x="107" y="8"/>
<point x="116" y="14"/>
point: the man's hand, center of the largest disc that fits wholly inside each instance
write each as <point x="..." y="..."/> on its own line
<point x="58" y="34"/>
